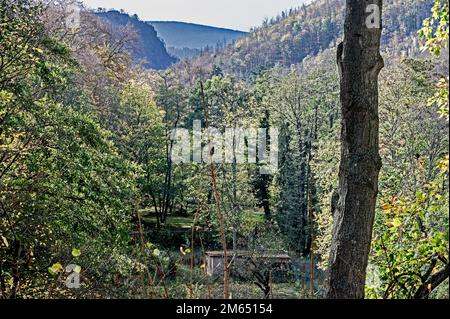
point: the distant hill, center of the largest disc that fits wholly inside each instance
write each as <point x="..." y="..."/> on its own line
<point x="188" y="38"/>
<point x="184" y="53"/>
<point x="149" y="48"/>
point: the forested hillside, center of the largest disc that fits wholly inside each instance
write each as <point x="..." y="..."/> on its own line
<point x="303" y="32"/>
<point x="148" y="47"/>
<point x="221" y="176"/>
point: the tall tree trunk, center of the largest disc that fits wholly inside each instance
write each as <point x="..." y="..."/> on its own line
<point x="265" y="197"/>
<point x="359" y="62"/>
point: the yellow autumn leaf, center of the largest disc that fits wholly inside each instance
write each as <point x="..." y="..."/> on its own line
<point x="396" y="222"/>
<point x="444" y="164"/>
<point x="5" y="241"/>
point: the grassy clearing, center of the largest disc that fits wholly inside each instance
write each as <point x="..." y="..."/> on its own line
<point x="239" y="290"/>
<point x="172" y="222"/>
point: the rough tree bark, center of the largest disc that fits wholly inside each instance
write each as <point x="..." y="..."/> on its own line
<point x="359" y="62"/>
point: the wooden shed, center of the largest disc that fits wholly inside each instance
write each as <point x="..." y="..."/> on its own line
<point x="243" y="262"/>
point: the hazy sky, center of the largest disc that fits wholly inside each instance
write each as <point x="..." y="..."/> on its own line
<point x="234" y="14"/>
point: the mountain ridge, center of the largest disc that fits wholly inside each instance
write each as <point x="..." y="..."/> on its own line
<point x="195" y="24"/>
<point x="150" y="49"/>
<point x="178" y="34"/>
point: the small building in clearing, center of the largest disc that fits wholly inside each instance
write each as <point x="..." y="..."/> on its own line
<point x="243" y="263"/>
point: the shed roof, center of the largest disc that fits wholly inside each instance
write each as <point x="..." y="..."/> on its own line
<point x="247" y="253"/>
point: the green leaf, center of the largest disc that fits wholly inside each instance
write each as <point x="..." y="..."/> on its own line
<point x="76" y="252"/>
<point x="55" y="269"/>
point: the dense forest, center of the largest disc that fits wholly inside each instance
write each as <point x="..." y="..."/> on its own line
<point x="99" y="197"/>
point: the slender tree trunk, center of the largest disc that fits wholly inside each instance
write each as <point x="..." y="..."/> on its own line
<point x="264" y="180"/>
<point x="432" y="282"/>
<point x="220" y="215"/>
<point x="235" y="206"/>
<point x="167" y="194"/>
<point x="359" y="62"/>
<point x="265" y="202"/>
